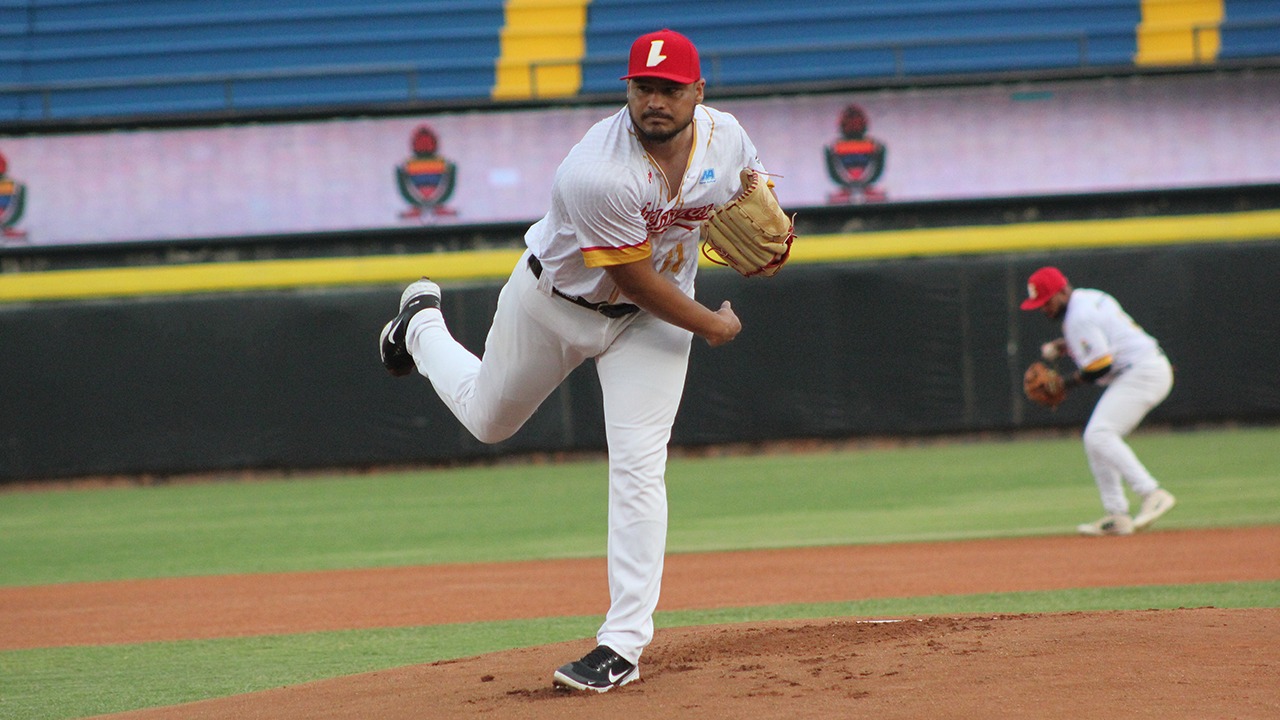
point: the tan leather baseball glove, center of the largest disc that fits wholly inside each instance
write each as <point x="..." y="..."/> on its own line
<point x="751" y="233"/>
<point x="1043" y="385"/>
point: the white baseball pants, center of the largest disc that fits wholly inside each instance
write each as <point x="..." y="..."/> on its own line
<point x="535" y="341"/>
<point x="1123" y="405"/>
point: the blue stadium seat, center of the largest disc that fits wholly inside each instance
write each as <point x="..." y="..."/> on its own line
<point x="84" y="58"/>
<point x="181" y="49"/>
<point x="1240" y="10"/>
<point x="1250" y="29"/>
<point x="869" y="39"/>
<point x="235" y="55"/>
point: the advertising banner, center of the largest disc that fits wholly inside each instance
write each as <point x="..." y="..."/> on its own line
<point x="1120" y="134"/>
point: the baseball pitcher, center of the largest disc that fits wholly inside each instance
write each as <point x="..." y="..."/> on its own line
<point x="608" y="276"/>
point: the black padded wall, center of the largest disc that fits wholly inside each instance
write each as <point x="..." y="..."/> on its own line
<point x="291" y="379"/>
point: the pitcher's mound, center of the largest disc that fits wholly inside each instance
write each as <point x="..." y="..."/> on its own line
<point x="1191" y="663"/>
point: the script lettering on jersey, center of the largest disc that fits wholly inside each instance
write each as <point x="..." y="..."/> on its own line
<point x="657" y="220"/>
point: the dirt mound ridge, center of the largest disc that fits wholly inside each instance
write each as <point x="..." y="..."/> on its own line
<point x="1190" y="663"/>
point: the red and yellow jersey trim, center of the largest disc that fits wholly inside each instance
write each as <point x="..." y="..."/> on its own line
<point x="1098" y="364"/>
<point x="605" y="256"/>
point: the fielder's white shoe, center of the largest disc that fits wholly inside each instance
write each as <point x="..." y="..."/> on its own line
<point x="418" y="296"/>
<point x="1109" y="525"/>
<point x="1157" y="503"/>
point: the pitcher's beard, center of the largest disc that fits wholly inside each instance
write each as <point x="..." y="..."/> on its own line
<point x="661" y="136"/>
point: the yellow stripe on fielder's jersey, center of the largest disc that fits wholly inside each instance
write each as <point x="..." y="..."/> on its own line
<point x="1098" y="364"/>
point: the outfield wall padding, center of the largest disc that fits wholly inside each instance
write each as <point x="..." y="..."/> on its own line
<point x="290" y="380"/>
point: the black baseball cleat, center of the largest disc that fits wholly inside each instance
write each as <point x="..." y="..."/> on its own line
<point x="600" y="670"/>
<point x="419" y="296"/>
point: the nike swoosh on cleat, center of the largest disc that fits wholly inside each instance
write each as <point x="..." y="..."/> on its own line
<point x="391" y="331"/>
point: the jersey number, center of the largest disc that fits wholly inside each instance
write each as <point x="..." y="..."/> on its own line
<point x="673" y="261"/>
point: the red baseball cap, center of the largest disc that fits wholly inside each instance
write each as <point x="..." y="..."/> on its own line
<point x="1042" y="285"/>
<point x="664" y="54"/>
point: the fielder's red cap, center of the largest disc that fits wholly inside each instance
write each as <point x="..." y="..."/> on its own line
<point x="1042" y="285"/>
<point x="664" y="54"/>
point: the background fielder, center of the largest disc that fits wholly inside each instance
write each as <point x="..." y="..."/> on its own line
<point x="1111" y="350"/>
<point x="608" y="275"/>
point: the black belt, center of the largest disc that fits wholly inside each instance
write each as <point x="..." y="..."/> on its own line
<point x="616" y="310"/>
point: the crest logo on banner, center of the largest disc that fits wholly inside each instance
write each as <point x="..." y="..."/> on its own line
<point x="426" y="179"/>
<point x="12" y="197"/>
<point x="855" y="160"/>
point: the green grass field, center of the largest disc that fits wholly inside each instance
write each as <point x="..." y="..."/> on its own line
<point x="926" y="491"/>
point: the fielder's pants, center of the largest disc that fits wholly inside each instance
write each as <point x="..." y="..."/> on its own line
<point x="535" y="341"/>
<point x="1123" y="405"/>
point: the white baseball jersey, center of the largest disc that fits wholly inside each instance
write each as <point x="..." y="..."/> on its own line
<point x="611" y="204"/>
<point x="1098" y="331"/>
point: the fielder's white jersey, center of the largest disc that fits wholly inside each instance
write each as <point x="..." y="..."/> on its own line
<point x="610" y="204"/>
<point x="1098" y="331"/>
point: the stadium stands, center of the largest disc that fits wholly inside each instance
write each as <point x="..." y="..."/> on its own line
<point x="76" y="59"/>
<point x="1251" y="29"/>
<point x="71" y="58"/>
<point x="758" y="43"/>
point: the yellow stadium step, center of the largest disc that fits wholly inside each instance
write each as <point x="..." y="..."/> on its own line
<point x="1179" y="32"/>
<point x="542" y="46"/>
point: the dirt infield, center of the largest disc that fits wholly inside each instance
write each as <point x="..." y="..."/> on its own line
<point x="1190" y="663"/>
<point x="1155" y="664"/>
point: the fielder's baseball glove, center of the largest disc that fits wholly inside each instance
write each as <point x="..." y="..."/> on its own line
<point x="750" y="234"/>
<point x="1043" y="385"/>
